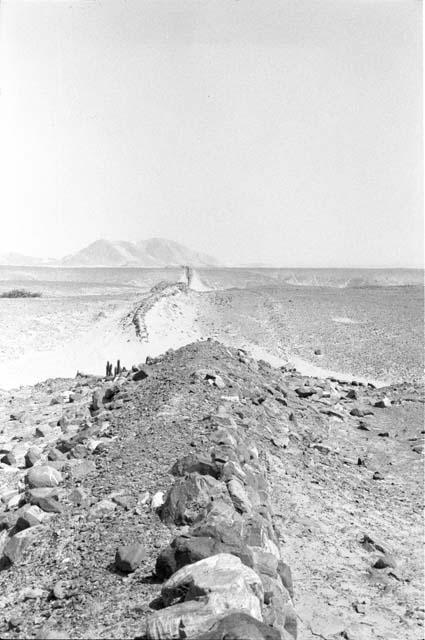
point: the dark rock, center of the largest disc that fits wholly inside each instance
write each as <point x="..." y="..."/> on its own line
<point x="128" y="557"/>
<point x="195" y="463"/>
<point x="305" y="392"/>
<point x="187" y="550"/>
<point x="317" y="352"/>
<point x="360" y="413"/>
<point x="9" y="459"/>
<point x="352" y="394"/>
<point x="240" y="626"/>
<point x="370" y="545"/>
<point x="166" y="563"/>
<point x="378" y="476"/>
<point x="384" y="403"/>
<point x="385" y="561"/>
<point x="363" y="426"/>
<point x="141" y="374"/>
<point x="17" y="415"/>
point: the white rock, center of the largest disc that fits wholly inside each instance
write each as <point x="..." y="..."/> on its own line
<point x="191" y="618"/>
<point x="15" y="501"/>
<point x="224" y="579"/>
<point x="157" y="500"/>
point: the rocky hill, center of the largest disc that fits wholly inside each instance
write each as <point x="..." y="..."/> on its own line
<point x="154" y="252"/>
<point x="208" y="495"/>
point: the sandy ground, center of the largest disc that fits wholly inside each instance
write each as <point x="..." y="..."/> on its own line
<point x="362" y="335"/>
<point x="170" y="323"/>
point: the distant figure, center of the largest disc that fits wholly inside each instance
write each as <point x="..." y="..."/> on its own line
<point x="188" y="272"/>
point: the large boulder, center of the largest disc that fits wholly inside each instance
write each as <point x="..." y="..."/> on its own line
<point x="44" y="476"/>
<point x="188" y="498"/>
<point x="223" y="578"/>
<point x="188" y="550"/>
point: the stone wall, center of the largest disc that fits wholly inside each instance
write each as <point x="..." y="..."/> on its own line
<point x="223" y="572"/>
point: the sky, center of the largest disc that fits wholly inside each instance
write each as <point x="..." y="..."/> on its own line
<point x="286" y="132"/>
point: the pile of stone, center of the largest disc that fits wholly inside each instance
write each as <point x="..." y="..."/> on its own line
<point x="35" y="491"/>
<point x="224" y="575"/>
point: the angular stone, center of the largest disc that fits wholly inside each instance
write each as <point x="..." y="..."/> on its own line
<point x="187" y="498"/>
<point x="195" y="463"/>
<point x="383" y="403"/>
<point x="264" y="562"/>
<point x="97" y="398"/>
<point x="32" y="456"/>
<point x="14" y="501"/>
<point x="239" y="496"/>
<point x="128" y="557"/>
<point x="30" y="517"/>
<point x="360" y="413"/>
<point x="233" y="468"/>
<point x="305" y="392"/>
<point x="9" y="459"/>
<point x="54" y="454"/>
<point x="45" y="498"/>
<point x="142" y="373"/>
<point x="43" y="476"/>
<point x="223" y="579"/>
<point x="385" y="561"/>
<point x="42" y="431"/>
<point x="16" y="546"/>
<point x="220" y="511"/>
<point x="285" y="573"/>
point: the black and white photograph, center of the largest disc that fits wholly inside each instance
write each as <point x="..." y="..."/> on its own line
<point x="211" y="320"/>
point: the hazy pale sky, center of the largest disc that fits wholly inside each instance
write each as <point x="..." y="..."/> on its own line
<point x="287" y="132"/>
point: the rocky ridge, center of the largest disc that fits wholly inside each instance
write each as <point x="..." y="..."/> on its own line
<point x="87" y="504"/>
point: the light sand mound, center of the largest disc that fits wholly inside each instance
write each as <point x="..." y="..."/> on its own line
<point x="169" y="323"/>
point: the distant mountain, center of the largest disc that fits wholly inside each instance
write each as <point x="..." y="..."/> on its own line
<point x="18" y="259"/>
<point x="155" y="252"/>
